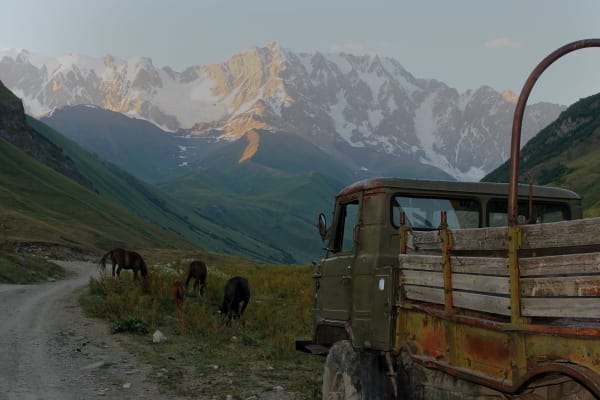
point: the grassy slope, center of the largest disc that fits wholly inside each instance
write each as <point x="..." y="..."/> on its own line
<point x="565" y="154"/>
<point x="39" y="205"/>
<point x="159" y="208"/>
<point x="277" y="208"/>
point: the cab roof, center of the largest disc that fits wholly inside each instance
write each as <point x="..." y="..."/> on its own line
<point x="418" y="186"/>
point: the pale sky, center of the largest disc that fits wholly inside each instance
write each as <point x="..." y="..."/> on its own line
<point x="463" y="43"/>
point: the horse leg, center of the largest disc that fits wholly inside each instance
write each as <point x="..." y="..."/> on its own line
<point x="243" y="307"/>
<point x="229" y="311"/>
<point x="135" y="272"/>
<point x="196" y="287"/>
<point x="113" y="267"/>
<point x="187" y="281"/>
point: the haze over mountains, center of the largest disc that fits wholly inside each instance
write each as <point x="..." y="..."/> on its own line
<point x="361" y="111"/>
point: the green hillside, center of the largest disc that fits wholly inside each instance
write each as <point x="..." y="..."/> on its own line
<point x="157" y="207"/>
<point x="565" y="154"/>
<point x="277" y="208"/>
<point x="39" y="205"/>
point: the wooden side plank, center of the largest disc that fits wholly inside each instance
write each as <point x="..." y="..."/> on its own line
<point x="421" y="293"/>
<point x="460" y="264"/>
<point x="570" y="264"/>
<point x="422" y="278"/>
<point x="472" y="301"/>
<point x="580" y="232"/>
<point x="481" y="283"/>
<point x="424" y="240"/>
<point x="420" y="262"/>
<point x="480" y="265"/>
<point x="481" y="302"/>
<point x="480" y="239"/>
<point x="469" y="282"/>
<point x="569" y="286"/>
<point x="582" y="307"/>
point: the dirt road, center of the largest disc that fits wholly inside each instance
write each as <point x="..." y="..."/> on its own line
<point x="49" y="350"/>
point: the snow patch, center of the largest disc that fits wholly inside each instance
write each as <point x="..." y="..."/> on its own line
<point x="341" y="62"/>
<point x="336" y="111"/>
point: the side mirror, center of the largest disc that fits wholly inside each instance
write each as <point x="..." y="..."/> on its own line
<point x="322" y="225"/>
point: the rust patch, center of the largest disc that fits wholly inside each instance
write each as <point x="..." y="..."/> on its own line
<point x="593" y="291"/>
<point x="433" y="340"/>
<point x="360" y="186"/>
<point x="373" y="194"/>
<point x="488" y="349"/>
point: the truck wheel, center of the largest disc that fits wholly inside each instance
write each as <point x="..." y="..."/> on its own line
<point x="341" y="375"/>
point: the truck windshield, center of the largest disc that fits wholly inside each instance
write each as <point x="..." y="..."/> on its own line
<point x="424" y="213"/>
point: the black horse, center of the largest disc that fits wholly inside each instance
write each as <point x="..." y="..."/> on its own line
<point x="237" y="291"/>
<point x="125" y="259"/>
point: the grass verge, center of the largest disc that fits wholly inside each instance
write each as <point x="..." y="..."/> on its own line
<point x="203" y="355"/>
<point x="27" y="268"/>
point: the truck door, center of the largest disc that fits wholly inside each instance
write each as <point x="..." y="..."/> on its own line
<point x="337" y="268"/>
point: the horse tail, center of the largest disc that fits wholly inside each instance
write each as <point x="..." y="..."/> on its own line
<point x="102" y="263"/>
<point x="143" y="268"/>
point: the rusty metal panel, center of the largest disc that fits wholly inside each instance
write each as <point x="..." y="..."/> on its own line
<point x="483" y="350"/>
<point x="543" y="349"/>
<point x="425" y="334"/>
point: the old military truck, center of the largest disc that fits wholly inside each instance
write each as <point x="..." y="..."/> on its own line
<point x="445" y="290"/>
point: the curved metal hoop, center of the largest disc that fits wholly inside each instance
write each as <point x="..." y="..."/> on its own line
<point x="515" y="143"/>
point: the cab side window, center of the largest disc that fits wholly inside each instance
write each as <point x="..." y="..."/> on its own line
<point x="348" y="219"/>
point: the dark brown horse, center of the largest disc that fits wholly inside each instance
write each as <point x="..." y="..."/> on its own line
<point x="237" y="291"/>
<point x="197" y="270"/>
<point x="125" y="259"/>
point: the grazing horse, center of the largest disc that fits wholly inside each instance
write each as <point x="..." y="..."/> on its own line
<point x="125" y="259"/>
<point x="178" y="293"/>
<point x="197" y="270"/>
<point x="236" y="291"/>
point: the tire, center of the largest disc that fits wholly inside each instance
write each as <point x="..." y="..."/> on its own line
<point x="341" y="374"/>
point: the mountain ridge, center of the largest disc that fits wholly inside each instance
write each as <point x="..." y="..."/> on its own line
<point x="362" y="101"/>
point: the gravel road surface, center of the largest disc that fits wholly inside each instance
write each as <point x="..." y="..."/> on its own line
<point x="50" y="351"/>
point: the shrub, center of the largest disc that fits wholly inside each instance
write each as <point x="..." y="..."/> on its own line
<point x="130" y="324"/>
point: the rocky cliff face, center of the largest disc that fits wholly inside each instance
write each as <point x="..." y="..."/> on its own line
<point x="15" y="130"/>
<point x="363" y="101"/>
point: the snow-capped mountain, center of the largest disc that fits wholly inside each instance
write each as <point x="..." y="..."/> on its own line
<point x="363" y="101"/>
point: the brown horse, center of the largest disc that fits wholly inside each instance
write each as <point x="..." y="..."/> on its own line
<point x="125" y="259"/>
<point x="197" y="270"/>
<point x="178" y="293"/>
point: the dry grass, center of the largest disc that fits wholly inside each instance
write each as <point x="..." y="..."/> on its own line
<point x="204" y="355"/>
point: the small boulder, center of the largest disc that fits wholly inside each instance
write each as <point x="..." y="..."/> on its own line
<point x="158" y="337"/>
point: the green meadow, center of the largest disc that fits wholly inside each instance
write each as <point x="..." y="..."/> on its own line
<point x="204" y="355"/>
